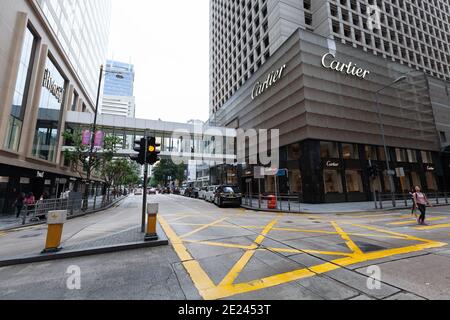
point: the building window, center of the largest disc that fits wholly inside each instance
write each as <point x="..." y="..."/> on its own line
<point x="354" y="181"/>
<point x="401" y="155"/>
<point x="295" y="181"/>
<point x="74" y="101"/>
<point x="371" y="153"/>
<point x="294" y="152"/>
<point x="332" y="181"/>
<point x="350" y="151"/>
<point x="443" y="137"/>
<point x="48" y="123"/>
<point x="427" y="158"/>
<point x="329" y="150"/>
<point x="412" y="156"/>
<point x="15" y="122"/>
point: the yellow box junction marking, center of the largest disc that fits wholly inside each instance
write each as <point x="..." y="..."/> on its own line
<point x="437" y="226"/>
<point x="227" y="287"/>
<point x="414" y="221"/>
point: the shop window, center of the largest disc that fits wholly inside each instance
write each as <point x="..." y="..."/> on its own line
<point x="375" y="184"/>
<point x="15" y="123"/>
<point x="416" y="180"/>
<point x="431" y="181"/>
<point x="46" y="135"/>
<point x="294" y="152"/>
<point x="381" y="154"/>
<point x="329" y="150"/>
<point x="295" y="181"/>
<point x="354" y="181"/>
<point x="387" y="183"/>
<point x="427" y="158"/>
<point x="332" y="181"/>
<point x="350" y="151"/>
<point x="371" y="153"/>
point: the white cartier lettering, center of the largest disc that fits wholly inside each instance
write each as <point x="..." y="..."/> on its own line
<point x="329" y="61"/>
<point x="272" y="78"/>
<point x="331" y="164"/>
<point x="50" y="84"/>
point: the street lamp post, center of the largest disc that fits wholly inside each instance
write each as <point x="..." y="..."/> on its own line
<point x="383" y="135"/>
<point x="94" y="129"/>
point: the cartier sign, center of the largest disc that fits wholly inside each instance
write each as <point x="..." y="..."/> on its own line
<point x="272" y="78"/>
<point x="332" y="164"/>
<point x="329" y="61"/>
<point x="50" y="84"/>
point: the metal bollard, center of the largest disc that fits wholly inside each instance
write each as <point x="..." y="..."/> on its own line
<point x="152" y="213"/>
<point x="55" y="221"/>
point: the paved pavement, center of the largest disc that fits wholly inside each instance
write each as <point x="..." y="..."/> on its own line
<point x="239" y="254"/>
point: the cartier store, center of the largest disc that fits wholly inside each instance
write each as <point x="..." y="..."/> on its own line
<point x="321" y="96"/>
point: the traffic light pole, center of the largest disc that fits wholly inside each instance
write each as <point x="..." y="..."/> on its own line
<point x="144" y="200"/>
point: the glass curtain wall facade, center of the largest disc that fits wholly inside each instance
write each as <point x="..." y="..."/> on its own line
<point x="82" y="27"/>
<point x="15" y="123"/>
<point x="49" y="114"/>
<point x="123" y="87"/>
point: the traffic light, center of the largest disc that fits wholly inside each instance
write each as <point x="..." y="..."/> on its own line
<point x="152" y="151"/>
<point x="139" y="146"/>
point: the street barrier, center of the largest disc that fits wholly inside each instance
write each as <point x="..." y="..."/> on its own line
<point x="55" y="222"/>
<point x="152" y="213"/>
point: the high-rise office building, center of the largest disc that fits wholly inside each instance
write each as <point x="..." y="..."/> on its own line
<point x="50" y="58"/>
<point x="82" y="27"/>
<point x="344" y="82"/>
<point x="244" y="34"/>
<point x="118" y="93"/>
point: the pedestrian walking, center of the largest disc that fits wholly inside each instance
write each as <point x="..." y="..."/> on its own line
<point x="421" y="202"/>
<point x="414" y="207"/>
<point x="19" y="203"/>
<point x="30" y="201"/>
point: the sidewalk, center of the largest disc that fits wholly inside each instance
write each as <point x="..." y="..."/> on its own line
<point x="116" y="229"/>
<point x="330" y="208"/>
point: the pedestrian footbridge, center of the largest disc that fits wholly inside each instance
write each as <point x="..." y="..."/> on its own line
<point x="181" y="141"/>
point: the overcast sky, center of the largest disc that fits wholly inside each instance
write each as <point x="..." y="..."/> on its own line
<point x="168" y="42"/>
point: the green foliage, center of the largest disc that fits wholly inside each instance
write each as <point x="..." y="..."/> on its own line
<point x="78" y="155"/>
<point x="120" y="172"/>
<point x="165" y="169"/>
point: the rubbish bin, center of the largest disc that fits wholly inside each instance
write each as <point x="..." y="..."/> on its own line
<point x="272" y="202"/>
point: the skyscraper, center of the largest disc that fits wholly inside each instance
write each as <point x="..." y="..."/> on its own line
<point x="118" y="94"/>
<point x="244" y="34"/>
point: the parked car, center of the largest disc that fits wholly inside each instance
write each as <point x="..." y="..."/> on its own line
<point x="195" y="193"/>
<point x="138" y="192"/>
<point x="166" y="191"/>
<point x="187" y="192"/>
<point x="176" y="191"/>
<point x="152" y="191"/>
<point x="209" y="195"/>
<point x="227" y="195"/>
<point x="202" y="193"/>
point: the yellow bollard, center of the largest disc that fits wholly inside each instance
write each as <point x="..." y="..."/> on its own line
<point x="55" y="221"/>
<point x="152" y="213"/>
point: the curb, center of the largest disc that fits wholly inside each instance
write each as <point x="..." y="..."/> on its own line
<point x="337" y="212"/>
<point x="68" y="218"/>
<point x="82" y="253"/>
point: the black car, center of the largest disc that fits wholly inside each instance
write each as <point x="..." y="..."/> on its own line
<point x="194" y="193"/>
<point x="228" y="195"/>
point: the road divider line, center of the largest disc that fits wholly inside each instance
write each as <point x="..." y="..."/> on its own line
<point x="350" y="243"/>
<point x="414" y="221"/>
<point x="202" y="228"/>
<point x="244" y="260"/>
<point x="437" y="226"/>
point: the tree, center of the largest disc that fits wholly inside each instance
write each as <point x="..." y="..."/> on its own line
<point x="165" y="169"/>
<point x="120" y="172"/>
<point x="79" y="155"/>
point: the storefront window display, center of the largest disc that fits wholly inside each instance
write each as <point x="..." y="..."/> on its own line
<point x="293" y="152"/>
<point x="333" y="181"/>
<point x="329" y="150"/>
<point x="354" y="181"/>
<point x="295" y="181"/>
<point x="371" y="153"/>
<point x="350" y="151"/>
<point x="427" y="158"/>
<point x="431" y="181"/>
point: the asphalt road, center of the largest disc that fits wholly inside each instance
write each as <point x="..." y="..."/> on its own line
<point x="238" y="254"/>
